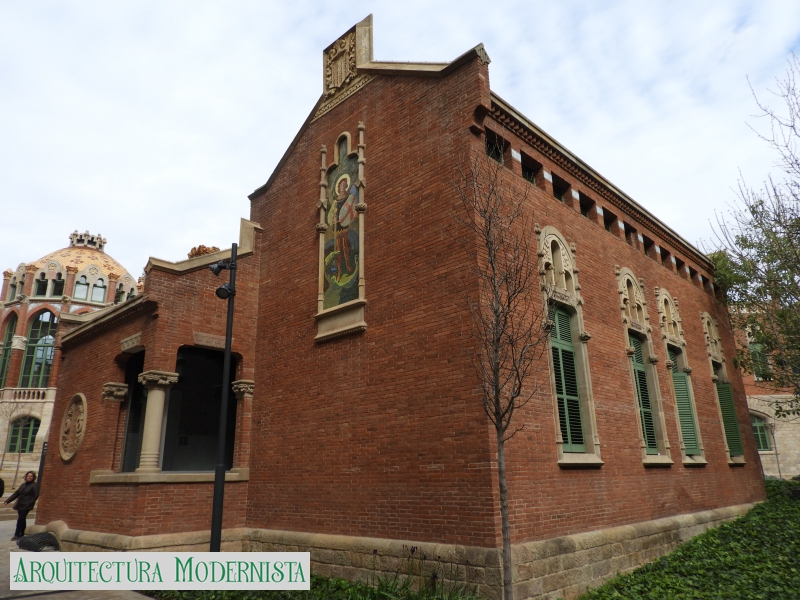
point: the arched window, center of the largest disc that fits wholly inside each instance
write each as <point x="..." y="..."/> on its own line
<point x="725" y="397"/>
<point x="12" y="290"/>
<point x="120" y="294"/>
<point x="761" y="432"/>
<point x="81" y="289"/>
<point x="131" y="293"/>
<point x="646" y="390"/>
<point x="680" y="373"/>
<point x="5" y="358"/>
<point x="22" y="435"/>
<point x="39" y="351"/>
<point x="99" y="291"/>
<point x="58" y="286"/>
<point x="576" y="426"/>
<point x="40" y="285"/>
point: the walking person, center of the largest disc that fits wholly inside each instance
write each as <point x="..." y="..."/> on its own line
<point x="26" y="496"/>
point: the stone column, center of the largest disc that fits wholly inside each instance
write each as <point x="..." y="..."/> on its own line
<point x="30" y="271"/>
<point x="7" y="275"/>
<point x="18" y="345"/>
<point x="156" y="383"/>
<point x="69" y="283"/>
<point x="243" y="389"/>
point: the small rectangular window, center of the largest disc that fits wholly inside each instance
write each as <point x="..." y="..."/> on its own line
<point x="680" y="266"/>
<point x="40" y="288"/>
<point x="693" y="275"/>
<point x="496" y="147"/>
<point x="649" y="247"/>
<point x="560" y="188"/>
<point x="58" y="287"/>
<point x="610" y="221"/>
<point x="665" y="258"/>
<point x="761" y="370"/>
<point x="587" y="206"/>
<point x="630" y="234"/>
<point x="12" y="292"/>
<point x="530" y="168"/>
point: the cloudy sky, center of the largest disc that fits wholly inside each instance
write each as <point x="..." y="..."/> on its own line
<point x="151" y="121"/>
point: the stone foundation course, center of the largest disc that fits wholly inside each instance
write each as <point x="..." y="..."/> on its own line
<point x="562" y="567"/>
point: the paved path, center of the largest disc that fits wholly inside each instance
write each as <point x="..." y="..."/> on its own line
<point x="6" y="545"/>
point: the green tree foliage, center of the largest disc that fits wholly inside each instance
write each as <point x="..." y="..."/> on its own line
<point x="758" y="259"/>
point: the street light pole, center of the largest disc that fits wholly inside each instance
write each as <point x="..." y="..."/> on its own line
<point x="227" y="291"/>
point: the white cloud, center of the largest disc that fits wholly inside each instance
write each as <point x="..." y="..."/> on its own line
<point x="151" y="122"/>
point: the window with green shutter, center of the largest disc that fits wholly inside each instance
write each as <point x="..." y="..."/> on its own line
<point x="566" y="375"/>
<point x="761" y="432"/>
<point x="643" y="395"/>
<point x="683" y="400"/>
<point x="729" y="421"/>
<point x="5" y="357"/>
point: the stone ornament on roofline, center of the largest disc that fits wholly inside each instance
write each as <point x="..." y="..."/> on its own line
<point x="115" y="392"/>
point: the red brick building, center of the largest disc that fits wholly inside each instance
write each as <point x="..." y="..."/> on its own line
<point x="358" y="424"/>
<point x="69" y="283"/>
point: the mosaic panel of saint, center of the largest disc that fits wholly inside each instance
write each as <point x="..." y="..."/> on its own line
<point x="341" y="238"/>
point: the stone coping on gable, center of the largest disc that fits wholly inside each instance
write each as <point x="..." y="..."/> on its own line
<point x="562" y="567"/>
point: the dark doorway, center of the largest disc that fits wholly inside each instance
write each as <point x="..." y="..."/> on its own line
<point x="191" y="434"/>
<point x="134" y="422"/>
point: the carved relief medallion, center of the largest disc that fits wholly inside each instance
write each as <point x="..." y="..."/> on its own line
<point x="73" y="426"/>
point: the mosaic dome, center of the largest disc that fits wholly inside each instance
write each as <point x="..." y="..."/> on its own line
<point x="84" y="250"/>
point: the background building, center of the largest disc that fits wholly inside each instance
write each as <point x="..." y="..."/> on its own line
<point x="67" y="283"/>
<point x="358" y="425"/>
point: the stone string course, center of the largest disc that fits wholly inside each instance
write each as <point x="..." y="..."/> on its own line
<point x="562" y="567"/>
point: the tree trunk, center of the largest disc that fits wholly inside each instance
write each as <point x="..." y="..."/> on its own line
<point x="508" y="590"/>
<point x="19" y="456"/>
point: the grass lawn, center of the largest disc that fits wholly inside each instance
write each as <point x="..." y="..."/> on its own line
<point x="754" y="557"/>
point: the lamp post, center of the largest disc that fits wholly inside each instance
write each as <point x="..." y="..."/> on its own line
<point x="227" y="292"/>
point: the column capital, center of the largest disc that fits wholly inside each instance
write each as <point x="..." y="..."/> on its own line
<point x="115" y="392"/>
<point x="158" y="379"/>
<point x="243" y="387"/>
<point x="18" y="342"/>
<point x="72" y="270"/>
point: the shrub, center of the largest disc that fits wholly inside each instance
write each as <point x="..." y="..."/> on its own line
<point x="754" y="557"/>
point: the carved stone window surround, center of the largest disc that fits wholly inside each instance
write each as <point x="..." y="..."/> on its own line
<point x="635" y="318"/>
<point x="559" y="284"/>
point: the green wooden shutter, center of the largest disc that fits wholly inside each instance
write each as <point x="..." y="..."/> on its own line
<point x="569" y="404"/>
<point x="683" y="399"/>
<point x="643" y="395"/>
<point x="729" y="420"/>
<point x="761" y="433"/>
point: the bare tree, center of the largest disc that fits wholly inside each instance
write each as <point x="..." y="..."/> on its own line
<point x="508" y="311"/>
<point x="757" y="264"/>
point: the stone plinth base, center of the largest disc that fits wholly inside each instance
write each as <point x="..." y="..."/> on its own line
<point x="563" y="567"/>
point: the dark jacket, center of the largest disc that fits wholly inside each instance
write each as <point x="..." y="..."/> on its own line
<point x="26" y="496"/>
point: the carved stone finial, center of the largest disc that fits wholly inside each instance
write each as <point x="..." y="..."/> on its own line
<point x="630" y="350"/>
<point x="687" y="369"/>
<point x="653" y="358"/>
<point x="361" y="207"/>
<point x="115" y="392"/>
<point x="584" y="336"/>
<point x="669" y="364"/>
<point x="158" y="379"/>
<point x="536" y="229"/>
<point x="321" y="227"/>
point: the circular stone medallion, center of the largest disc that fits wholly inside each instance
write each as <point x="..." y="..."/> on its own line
<point x="73" y="426"/>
